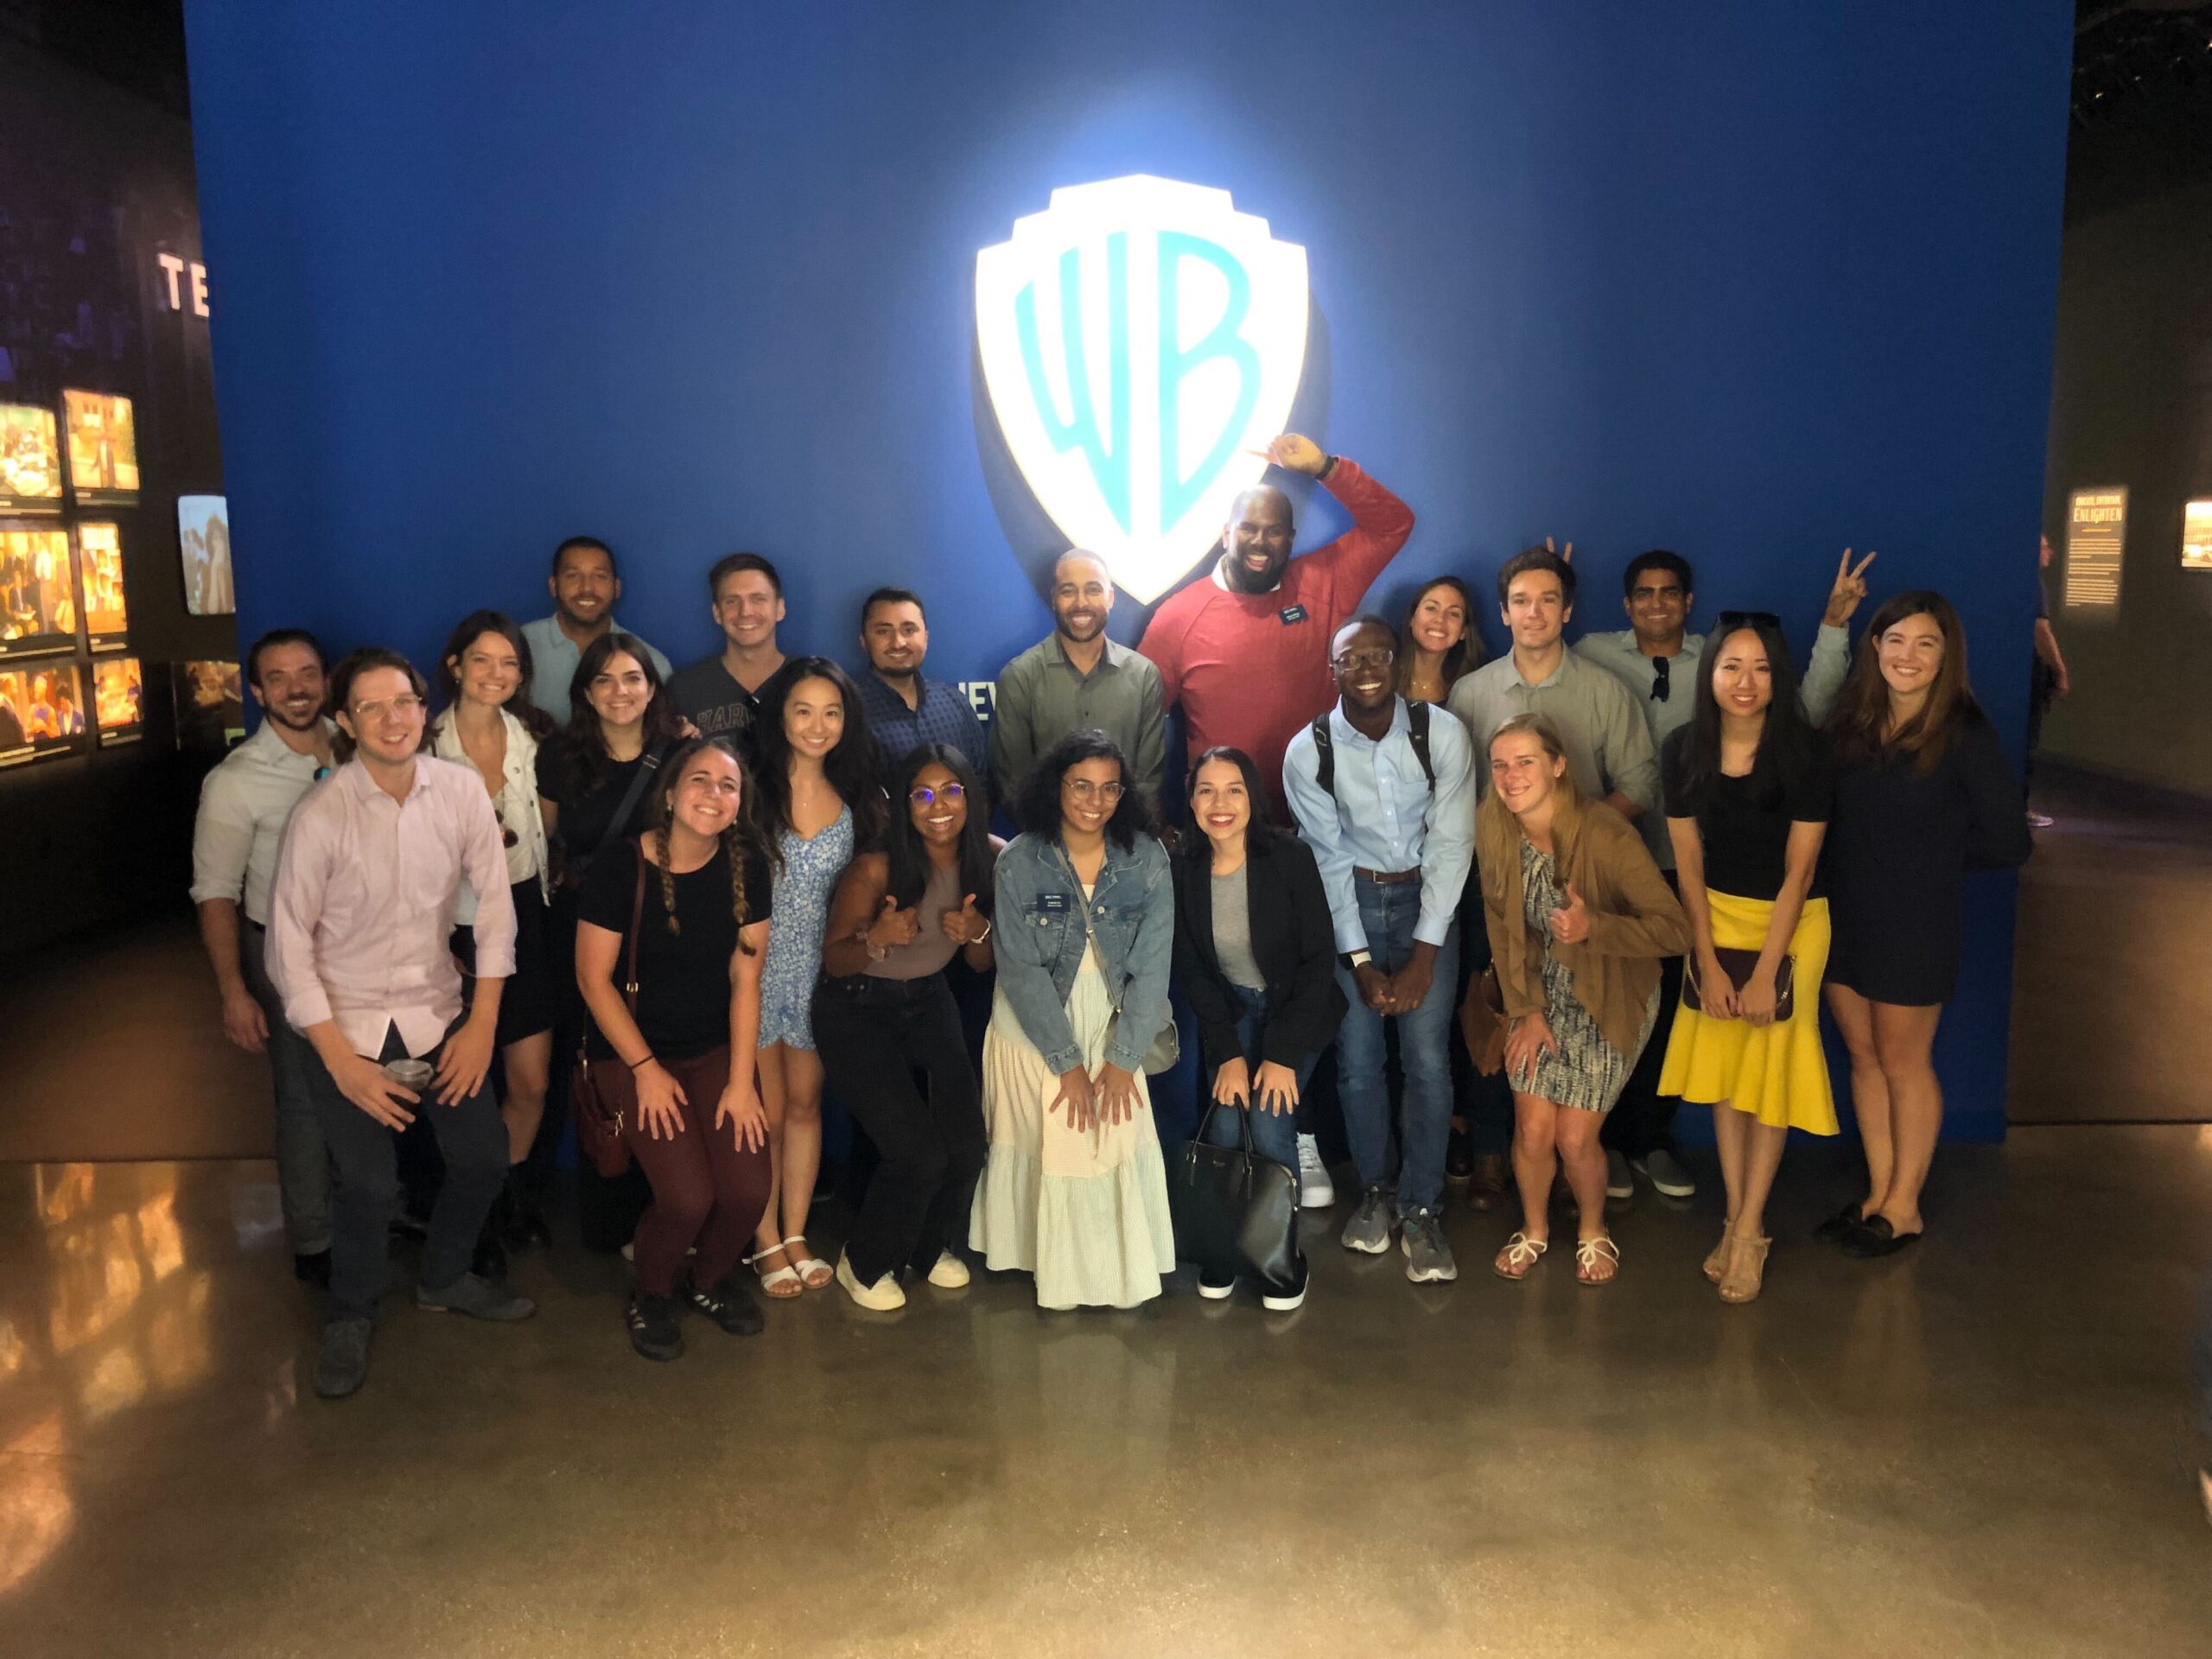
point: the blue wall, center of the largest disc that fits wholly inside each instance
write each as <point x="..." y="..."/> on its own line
<point x="1749" y="281"/>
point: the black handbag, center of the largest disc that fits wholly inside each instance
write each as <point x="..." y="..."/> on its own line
<point x="1235" y="1212"/>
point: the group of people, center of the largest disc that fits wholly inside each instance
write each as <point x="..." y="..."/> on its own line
<point x="690" y="901"/>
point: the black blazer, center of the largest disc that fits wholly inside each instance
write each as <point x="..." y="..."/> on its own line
<point x="1293" y="939"/>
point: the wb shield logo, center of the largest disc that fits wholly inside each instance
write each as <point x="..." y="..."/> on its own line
<point x="1138" y="338"/>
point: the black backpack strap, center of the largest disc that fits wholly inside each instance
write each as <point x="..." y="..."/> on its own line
<point x="1417" y="733"/>
<point x="1324" y="758"/>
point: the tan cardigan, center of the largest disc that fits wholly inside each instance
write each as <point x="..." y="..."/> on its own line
<point x="1635" y="918"/>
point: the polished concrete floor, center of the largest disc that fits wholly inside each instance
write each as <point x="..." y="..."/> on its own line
<point x="1974" y="1448"/>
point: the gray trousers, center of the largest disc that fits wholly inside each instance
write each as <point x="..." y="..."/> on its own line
<point x="302" y="1160"/>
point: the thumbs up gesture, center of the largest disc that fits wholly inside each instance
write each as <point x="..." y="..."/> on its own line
<point x="967" y="925"/>
<point x="1571" y="923"/>
<point x="892" y="926"/>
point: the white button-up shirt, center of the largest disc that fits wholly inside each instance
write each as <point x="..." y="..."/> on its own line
<point x="363" y="904"/>
<point x="516" y="802"/>
<point x="244" y="805"/>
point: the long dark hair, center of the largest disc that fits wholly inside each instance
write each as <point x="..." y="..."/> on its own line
<point x="905" y="853"/>
<point x="740" y="839"/>
<point x="1467" y="654"/>
<point x="1260" y="834"/>
<point x="1862" y="710"/>
<point x="586" y="739"/>
<point x="853" y="768"/>
<point x="1036" y="809"/>
<point x="467" y="632"/>
<point x="1786" y="737"/>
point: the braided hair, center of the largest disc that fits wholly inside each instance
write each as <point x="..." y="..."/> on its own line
<point x="739" y="840"/>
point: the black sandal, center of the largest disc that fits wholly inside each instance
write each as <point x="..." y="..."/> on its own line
<point x="1842" y="1224"/>
<point x="1874" y="1237"/>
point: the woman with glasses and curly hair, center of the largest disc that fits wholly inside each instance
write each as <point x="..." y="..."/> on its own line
<point x="1074" y="1190"/>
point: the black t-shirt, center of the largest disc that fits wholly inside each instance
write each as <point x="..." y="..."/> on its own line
<point x="586" y="810"/>
<point x="683" y="977"/>
<point x="1744" y="822"/>
<point x="712" y="699"/>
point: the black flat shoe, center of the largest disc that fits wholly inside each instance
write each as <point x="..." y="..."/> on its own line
<point x="1841" y="1224"/>
<point x="1875" y="1238"/>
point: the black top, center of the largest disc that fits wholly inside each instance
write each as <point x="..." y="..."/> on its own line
<point x="683" y="977"/>
<point x="1744" y="823"/>
<point x="587" y="813"/>
<point x="1896" y="858"/>
<point x="1292" y="940"/>
<point x="712" y="698"/>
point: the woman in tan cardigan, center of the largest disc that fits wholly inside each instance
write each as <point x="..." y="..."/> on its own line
<point x="1578" y="918"/>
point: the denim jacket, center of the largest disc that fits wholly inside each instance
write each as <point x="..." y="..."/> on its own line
<point x="1041" y="937"/>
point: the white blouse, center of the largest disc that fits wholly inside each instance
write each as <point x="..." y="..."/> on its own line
<point x="517" y="803"/>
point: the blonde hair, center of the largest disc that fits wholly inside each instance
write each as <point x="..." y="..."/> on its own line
<point x="1541" y="727"/>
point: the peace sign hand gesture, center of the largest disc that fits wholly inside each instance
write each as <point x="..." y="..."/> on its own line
<point x="965" y="925"/>
<point x="1294" y="453"/>
<point x="1849" y="588"/>
<point x="1570" y="924"/>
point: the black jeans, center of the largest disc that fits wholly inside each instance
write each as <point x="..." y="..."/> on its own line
<point x="1642" y="1121"/>
<point x="364" y="1183"/>
<point x="874" y="1035"/>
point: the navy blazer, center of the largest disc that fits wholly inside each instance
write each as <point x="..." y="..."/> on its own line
<point x="1292" y="940"/>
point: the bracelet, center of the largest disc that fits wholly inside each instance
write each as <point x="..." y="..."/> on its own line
<point x="986" y="933"/>
<point x="634" y="1065"/>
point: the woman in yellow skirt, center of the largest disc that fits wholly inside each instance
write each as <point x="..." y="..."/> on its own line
<point x="1748" y="785"/>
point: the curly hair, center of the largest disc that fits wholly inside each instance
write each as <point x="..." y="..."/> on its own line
<point x="853" y="767"/>
<point x="1036" y="808"/>
<point x="740" y="839"/>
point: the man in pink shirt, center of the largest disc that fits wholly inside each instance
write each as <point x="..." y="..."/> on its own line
<point x="1245" y="650"/>
<point x="359" y="915"/>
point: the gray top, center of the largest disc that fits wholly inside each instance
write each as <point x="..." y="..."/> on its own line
<point x="1608" y="745"/>
<point x="1619" y="654"/>
<point x="1232" y="931"/>
<point x="929" y="951"/>
<point x="1040" y="698"/>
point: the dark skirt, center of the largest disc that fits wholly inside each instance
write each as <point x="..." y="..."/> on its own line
<point x="526" y="1001"/>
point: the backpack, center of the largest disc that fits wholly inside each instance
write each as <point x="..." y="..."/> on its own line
<point x="1324" y="752"/>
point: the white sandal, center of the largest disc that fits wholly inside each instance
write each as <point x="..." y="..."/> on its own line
<point x="1586" y="1253"/>
<point x="772" y="1282"/>
<point x="805" y="1265"/>
<point x="1522" y="1252"/>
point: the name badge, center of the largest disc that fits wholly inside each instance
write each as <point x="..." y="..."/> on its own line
<point x="1291" y="615"/>
<point x="1054" y="904"/>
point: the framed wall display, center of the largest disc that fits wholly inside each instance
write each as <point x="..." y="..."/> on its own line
<point x="209" y="705"/>
<point x="2196" y="535"/>
<point x="203" y="538"/>
<point x="38" y="602"/>
<point x="120" y="699"/>
<point x="2096" y="537"/>
<point x="103" y="449"/>
<point x="99" y="572"/>
<point x="30" y="460"/>
<point x="41" y="712"/>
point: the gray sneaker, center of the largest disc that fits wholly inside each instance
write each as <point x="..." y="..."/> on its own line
<point x="480" y="1299"/>
<point x="1665" y="1172"/>
<point x="1369" y="1229"/>
<point x="1619" y="1184"/>
<point x="1428" y="1258"/>
<point x="343" y="1364"/>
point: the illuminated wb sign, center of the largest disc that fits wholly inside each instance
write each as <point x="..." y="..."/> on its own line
<point x="1139" y="337"/>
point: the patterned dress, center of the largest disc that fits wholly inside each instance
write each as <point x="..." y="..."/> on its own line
<point x="803" y="887"/>
<point x="1588" y="1072"/>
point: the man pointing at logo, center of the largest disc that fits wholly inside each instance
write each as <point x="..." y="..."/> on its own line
<point x="1245" y="652"/>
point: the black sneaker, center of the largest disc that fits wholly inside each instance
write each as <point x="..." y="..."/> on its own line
<point x="312" y="1269"/>
<point x="651" y="1320"/>
<point x="1285" y="1298"/>
<point x="1215" y="1288"/>
<point x="730" y="1306"/>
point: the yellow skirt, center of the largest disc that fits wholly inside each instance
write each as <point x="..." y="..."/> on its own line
<point x="1778" y="1074"/>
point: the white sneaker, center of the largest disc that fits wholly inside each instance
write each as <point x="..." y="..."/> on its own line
<point x="884" y="1296"/>
<point x="1315" y="1191"/>
<point x="949" y="1272"/>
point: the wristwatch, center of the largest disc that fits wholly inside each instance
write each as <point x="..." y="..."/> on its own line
<point x="985" y="934"/>
<point x="1356" y="959"/>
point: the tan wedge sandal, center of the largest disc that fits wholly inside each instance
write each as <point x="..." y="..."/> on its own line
<point x="1716" y="1265"/>
<point x="1745" y="1271"/>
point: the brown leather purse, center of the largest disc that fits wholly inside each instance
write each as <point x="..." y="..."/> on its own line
<point x="1740" y="965"/>
<point x="1482" y="1022"/>
<point x="599" y="1120"/>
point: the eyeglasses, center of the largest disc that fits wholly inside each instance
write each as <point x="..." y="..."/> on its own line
<point x="1382" y="656"/>
<point x="1731" y="620"/>
<point x="402" y="706"/>
<point x="1083" y="790"/>
<point x="1661" y="685"/>
<point x="923" y="795"/>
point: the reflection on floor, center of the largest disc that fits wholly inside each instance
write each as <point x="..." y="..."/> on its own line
<point x="1973" y="1448"/>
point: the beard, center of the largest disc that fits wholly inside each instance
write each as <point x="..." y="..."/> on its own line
<point x="282" y="717"/>
<point x="1244" y="579"/>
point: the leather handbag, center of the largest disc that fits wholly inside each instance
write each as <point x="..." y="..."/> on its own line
<point x="1482" y="1022"/>
<point x="599" y="1120"/>
<point x="1235" y="1212"/>
<point x="1740" y="965"/>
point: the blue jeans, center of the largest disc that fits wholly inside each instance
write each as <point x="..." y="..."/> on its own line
<point x="1424" y="1055"/>
<point x="1274" y="1134"/>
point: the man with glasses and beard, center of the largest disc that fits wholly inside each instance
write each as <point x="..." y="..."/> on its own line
<point x="244" y="804"/>
<point x="1077" y="680"/>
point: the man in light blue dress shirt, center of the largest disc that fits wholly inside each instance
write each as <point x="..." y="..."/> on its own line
<point x="585" y="585"/>
<point x="1388" y="805"/>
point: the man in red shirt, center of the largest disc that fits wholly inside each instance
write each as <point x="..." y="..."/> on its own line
<point x="1245" y="650"/>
